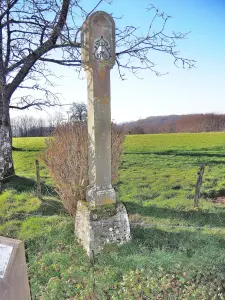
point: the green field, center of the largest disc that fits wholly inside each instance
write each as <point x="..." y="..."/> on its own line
<point x="176" y="251"/>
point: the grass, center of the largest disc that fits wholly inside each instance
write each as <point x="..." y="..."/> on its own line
<point x="176" y="253"/>
<point x="165" y="178"/>
<point x="26" y="151"/>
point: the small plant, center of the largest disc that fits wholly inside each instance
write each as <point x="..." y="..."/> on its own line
<point x="162" y="285"/>
<point x="66" y="157"/>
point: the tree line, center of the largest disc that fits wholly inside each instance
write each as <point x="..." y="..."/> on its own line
<point x="28" y="126"/>
<point x="177" y="123"/>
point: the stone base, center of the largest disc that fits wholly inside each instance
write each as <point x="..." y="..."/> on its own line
<point x="95" y="227"/>
<point x="98" y="196"/>
<point x="14" y="284"/>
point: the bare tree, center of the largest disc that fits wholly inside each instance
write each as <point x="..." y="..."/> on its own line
<point x="37" y="33"/>
<point x="24" y="126"/>
<point x="78" y="112"/>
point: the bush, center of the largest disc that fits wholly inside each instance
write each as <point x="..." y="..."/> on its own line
<point x="66" y="157"/>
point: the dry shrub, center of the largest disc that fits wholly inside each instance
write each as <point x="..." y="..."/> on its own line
<point x="66" y="157"/>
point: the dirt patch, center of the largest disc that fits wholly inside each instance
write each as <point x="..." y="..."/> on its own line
<point x="220" y="200"/>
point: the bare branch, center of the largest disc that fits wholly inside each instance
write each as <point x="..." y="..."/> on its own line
<point x="134" y="50"/>
<point x="48" y="45"/>
<point x="10" y="6"/>
<point x="69" y="63"/>
<point x="38" y="33"/>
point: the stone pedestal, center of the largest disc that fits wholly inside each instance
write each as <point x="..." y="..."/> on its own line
<point x="14" y="283"/>
<point x="98" y="226"/>
<point x="100" y="196"/>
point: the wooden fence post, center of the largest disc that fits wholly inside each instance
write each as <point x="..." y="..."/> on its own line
<point x="38" y="178"/>
<point x="198" y="185"/>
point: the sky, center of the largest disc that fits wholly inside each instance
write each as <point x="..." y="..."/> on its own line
<point x="199" y="90"/>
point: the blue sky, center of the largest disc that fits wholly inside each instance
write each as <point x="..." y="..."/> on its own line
<point x="199" y="90"/>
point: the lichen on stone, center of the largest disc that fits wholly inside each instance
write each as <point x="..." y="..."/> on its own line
<point x="103" y="211"/>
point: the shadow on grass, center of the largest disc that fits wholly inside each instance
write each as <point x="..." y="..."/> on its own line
<point x="50" y="207"/>
<point x="213" y="194"/>
<point x="187" y="242"/>
<point x="47" y="208"/>
<point x="23" y="184"/>
<point x="17" y="149"/>
<point x="20" y="184"/>
<point x="151" y="247"/>
<point x="155" y="238"/>
<point x="178" y="153"/>
<point x="193" y="217"/>
<point x="25" y="150"/>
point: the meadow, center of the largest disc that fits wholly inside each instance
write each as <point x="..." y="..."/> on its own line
<point x="176" y="251"/>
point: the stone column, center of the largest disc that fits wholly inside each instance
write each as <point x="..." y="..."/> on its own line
<point x="98" y="57"/>
<point x="99" y="220"/>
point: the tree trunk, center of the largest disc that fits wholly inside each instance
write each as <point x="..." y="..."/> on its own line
<point x="6" y="161"/>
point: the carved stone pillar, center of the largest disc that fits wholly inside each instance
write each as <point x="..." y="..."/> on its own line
<point x="100" y="220"/>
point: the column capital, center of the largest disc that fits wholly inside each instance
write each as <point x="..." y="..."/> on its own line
<point x="98" y="41"/>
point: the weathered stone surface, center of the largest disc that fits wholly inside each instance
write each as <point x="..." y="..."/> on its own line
<point x="98" y="57"/>
<point x="5" y="253"/>
<point x="96" y="227"/>
<point x="100" y="220"/>
<point x="98" y="28"/>
<point x="100" y="196"/>
<point x="14" y="283"/>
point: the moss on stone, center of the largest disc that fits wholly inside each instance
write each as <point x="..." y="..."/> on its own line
<point x="99" y="212"/>
<point x="103" y="211"/>
<point x="85" y="203"/>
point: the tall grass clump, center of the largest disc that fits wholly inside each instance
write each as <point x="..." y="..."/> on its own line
<point x="66" y="157"/>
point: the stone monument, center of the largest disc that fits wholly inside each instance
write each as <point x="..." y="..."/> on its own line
<point x="100" y="220"/>
<point x="14" y="283"/>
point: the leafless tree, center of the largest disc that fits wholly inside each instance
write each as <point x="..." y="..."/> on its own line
<point x="78" y="112"/>
<point x="37" y="33"/>
<point x="24" y="126"/>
